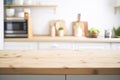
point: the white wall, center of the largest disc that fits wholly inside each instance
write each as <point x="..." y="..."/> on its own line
<point x="98" y="13"/>
<point x="1" y="24"/>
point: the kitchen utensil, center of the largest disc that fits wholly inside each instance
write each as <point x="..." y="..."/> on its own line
<point x="82" y="24"/>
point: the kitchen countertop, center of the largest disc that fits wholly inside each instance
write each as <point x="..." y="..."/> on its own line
<point x="62" y="39"/>
<point x="60" y="62"/>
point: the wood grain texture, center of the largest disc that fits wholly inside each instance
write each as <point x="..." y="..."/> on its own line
<point x="28" y="17"/>
<point x="60" y="62"/>
<point x="82" y="24"/>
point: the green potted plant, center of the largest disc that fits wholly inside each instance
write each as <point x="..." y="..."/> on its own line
<point x="61" y="31"/>
<point x="93" y="33"/>
<point x="117" y="32"/>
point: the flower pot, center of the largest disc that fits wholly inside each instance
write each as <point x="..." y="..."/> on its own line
<point x="93" y="35"/>
<point x="10" y="12"/>
<point x="61" y="33"/>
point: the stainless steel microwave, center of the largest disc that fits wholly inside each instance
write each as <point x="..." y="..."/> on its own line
<point x="15" y="28"/>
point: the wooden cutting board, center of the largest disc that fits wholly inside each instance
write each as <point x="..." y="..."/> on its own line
<point x="58" y="24"/>
<point x="82" y="24"/>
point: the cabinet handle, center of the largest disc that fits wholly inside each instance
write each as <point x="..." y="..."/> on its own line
<point x="55" y="46"/>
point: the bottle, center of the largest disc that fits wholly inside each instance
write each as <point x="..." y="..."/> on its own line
<point x="78" y="31"/>
<point x="108" y="33"/>
<point x="53" y="32"/>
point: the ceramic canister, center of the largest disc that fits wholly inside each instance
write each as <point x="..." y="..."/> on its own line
<point x="10" y="12"/>
<point x="18" y="2"/>
<point x="28" y="2"/>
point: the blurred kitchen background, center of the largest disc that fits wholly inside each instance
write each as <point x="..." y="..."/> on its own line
<point x="100" y="14"/>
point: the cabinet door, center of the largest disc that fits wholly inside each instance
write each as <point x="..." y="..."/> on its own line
<point x="32" y="77"/>
<point x="93" y="77"/>
<point x="115" y="46"/>
<point x="20" y="46"/>
<point x="78" y="46"/>
<point x="1" y="24"/>
<point x="55" y="46"/>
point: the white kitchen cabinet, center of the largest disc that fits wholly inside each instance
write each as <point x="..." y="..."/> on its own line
<point x="20" y="46"/>
<point x="55" y="46"/>
<point x="79" y="46"/>
<point x="93" y="77"/>
<point x="72" y="46"/>
<point x="32" y="77"/>
<point x="1" y="24"/>
<point x="115" y="46"/>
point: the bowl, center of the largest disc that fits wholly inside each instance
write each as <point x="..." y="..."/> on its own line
<point x="93" y="35"/>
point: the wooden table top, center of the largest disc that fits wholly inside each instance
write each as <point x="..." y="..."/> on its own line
<point x="60" y="62"/>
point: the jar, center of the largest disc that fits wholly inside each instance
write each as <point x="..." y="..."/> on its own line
<point x="78" y="31"/>
<point x="18" y="2"/>
<point x="61" y="33"/>
<point x="8" y="1"/>
<point x="28" y="2"/>
<point x="108" y="33"/>
<point x="10" y="12"/>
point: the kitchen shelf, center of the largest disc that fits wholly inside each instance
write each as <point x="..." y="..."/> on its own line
<point x="31" y="6"/>
<point x="45" y="5"/>
<point x="116" y="7"/>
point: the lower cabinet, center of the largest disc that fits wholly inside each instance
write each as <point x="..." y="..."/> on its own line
<point x="20" y="45"/>
<point x="115" y="46"/>
<point x="72" y="46"/>
<point x="58" y="46"/>
<point x="93" y="77"/>
<point x="59" y="77"/>
<point x="79" y="46"/>
<point x="55" y="46"/>
<point x="32" y="77"/>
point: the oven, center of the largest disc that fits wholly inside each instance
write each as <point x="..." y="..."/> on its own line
<point x="15" y="28"/>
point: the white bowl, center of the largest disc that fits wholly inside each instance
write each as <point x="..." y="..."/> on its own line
<point x="20" y="14"/>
